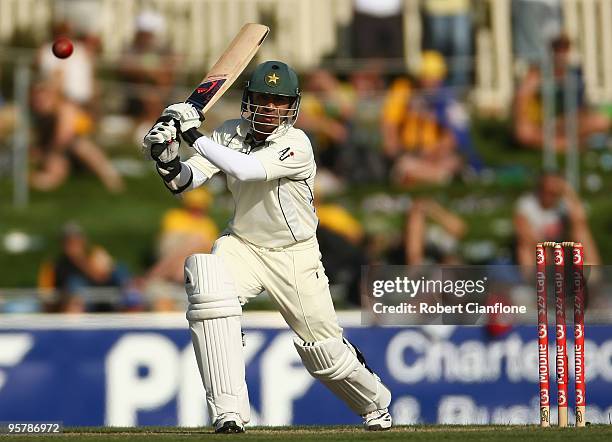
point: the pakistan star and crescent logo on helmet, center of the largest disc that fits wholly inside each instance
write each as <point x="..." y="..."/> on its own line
<point x="272" y="79"/>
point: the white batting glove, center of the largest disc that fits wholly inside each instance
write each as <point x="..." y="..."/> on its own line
<point x="187" y="115"/>
<point x="161" y="143"/>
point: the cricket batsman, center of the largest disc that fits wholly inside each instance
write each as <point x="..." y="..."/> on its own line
<point x="270" y="244"/>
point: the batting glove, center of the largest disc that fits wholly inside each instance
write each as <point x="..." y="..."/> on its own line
<point x="186" y="115"/>
<point x="161" y="143"/>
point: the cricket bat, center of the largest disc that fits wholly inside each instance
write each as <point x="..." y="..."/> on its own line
<point x="229" y="66"/>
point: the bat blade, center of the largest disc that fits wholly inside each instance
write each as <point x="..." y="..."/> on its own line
<point x="229" y="66"/>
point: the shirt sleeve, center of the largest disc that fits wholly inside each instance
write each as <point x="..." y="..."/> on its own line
<point x="289" y="159"/>
<point x="237" y="164"/>
<point x="199" y="163"/>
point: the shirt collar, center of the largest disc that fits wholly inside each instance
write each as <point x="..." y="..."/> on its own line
<point x="243" y="129"/>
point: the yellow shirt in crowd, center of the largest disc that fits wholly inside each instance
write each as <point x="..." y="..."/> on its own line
<point x="418" y="128"/>
<point x="339" y="220"/>
<point x="182" y="221"/>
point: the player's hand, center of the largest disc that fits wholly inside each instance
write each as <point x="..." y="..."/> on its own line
<point x="161" y="143"/>
<point x="186" y="115"/>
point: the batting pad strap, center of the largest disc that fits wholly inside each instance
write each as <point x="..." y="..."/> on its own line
<point x="210" y="290"/>
<point x="335" y="363"/>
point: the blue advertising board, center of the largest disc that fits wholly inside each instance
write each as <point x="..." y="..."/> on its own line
<point x="128" y="370"/>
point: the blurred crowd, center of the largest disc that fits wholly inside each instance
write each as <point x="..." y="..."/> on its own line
<point x="369" y="129"/>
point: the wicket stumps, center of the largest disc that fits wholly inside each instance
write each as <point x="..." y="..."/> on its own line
<point x="562" y="367"/>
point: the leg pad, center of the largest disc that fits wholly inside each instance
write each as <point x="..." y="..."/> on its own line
<point x="334" y="362"/>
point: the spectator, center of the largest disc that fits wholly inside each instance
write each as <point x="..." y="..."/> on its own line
<point x="423" y="128"/>
<point x="339" y="220"/>
<point x="343" y="120"/>
<point x="148" y="67"/>
<point x="553" y="212"/>
<point x="341" y="239"/>
<point x="74" y="76"/>
<point x="529" y="103"/>
<point x="433" y="233"/>
<point x="367" y="92"/>
<point x="8" y="118"/>
<point x="378" y="29"/>
<point x="62" y="134"/>
<point x="534" y="22"/>
<point x="448" y="30"/>
<point x="325" y="112"/>
<point x="80" y="266"/>
<point x="184" y="231"/>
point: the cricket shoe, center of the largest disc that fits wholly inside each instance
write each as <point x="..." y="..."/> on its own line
<point x="229" y="423"/>
<point x="377" y="420"/>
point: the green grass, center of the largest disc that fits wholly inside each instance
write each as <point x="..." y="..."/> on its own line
<point x="499" y="433"/>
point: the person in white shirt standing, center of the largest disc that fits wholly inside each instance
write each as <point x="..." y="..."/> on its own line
<point x="270" y="244"/>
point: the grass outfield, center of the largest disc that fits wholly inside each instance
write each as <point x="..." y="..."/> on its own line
<point x="340" y="433"/>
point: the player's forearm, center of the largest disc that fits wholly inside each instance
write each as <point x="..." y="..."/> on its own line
<point x="187" y="179"/>
<point x="241" y="166"/>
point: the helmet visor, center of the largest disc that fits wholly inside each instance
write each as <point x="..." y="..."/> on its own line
<point x="267" y="112"/>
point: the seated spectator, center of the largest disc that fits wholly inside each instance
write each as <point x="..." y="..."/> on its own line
<point x="553" y="212"/>
<point x="422" y="128"/>
<point x="529" y="103"/>
<point x="325" y="112"/>
<point x="432" y="234"/>
<point x="184" y="231"/>
<point x="342" y="120"/>
<point x="8" y="116"/>
<point x="72" y="77"/>
<point x="367" y="87"/>
<point x="8" y="120"/>
<point x="339" y="220"/>
<point x="148" y="68"/>
<point x="81" y="266"/>
<point x="8" y="123"/>
<point x="340" y="237"/>
<point x="62" y="136"/>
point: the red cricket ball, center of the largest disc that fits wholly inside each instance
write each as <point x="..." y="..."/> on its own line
<point x="62" y="47"/>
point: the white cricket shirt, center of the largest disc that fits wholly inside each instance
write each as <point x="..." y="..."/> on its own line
<point x="280" y="210"/>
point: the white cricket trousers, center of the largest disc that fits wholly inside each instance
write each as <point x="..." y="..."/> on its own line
<point x="294" y="278"/>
